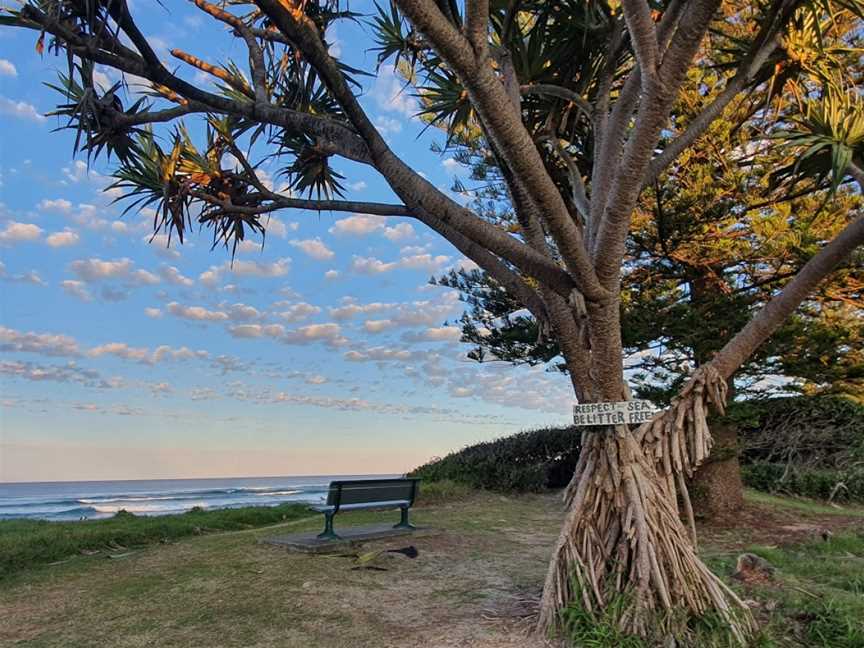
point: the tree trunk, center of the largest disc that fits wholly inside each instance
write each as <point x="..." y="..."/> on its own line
<point x="623" y="541"/>
<point x="716" y="488"/>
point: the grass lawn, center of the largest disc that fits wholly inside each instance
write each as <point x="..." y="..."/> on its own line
<point x="475" y="582"/>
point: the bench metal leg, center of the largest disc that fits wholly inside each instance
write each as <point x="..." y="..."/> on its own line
<point x="403" y="522"/>
<point x="328" y="533"/>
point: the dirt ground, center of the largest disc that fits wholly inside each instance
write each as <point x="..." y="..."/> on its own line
<point x="475" y="583"/>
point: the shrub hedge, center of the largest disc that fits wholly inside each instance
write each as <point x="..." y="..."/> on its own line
<point x="809" y="446"/>
<point x="529" y="461"/>
<point x="834" y="485"/>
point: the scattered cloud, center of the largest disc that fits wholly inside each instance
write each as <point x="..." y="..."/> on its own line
<point x="172" y="275"/>
<point x="196" y="313"/>
<point x="299" y="312"/>
<point x="77" y="289"/>
<point x="48" y="344"/>
<point x="31" y="277"/>
<point x="7" y="68"/>
<point x="62" y="239"/>
<point x="392" y="93"/>
<point x="425" y="262"/>
<point x="90" y="270"/>
<point x="314" y="248"/>
<point x="436" y="334"/>
<point x="20" y="109"/>
<point x="358" y="225"/>
<point x="400" y="232"/>
<point x="15" y="232"/>
<point x="240" y="268"/>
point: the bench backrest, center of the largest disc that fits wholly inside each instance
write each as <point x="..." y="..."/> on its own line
<point x="366" y="491"/>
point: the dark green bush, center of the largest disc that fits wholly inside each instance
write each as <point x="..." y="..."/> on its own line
<point x="804" y="445"/>
<point x="834" y="485"/>
<point x="825" y="432"/>
<point x="525" y="462"/>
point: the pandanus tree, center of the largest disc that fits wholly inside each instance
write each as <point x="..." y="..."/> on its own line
<point x="575" y="104"/>
<point x="711" y="239"/>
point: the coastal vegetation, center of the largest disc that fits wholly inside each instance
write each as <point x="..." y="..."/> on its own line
<point x="28" y="543"/>
<point x="590" y="139"/>
<point x="780" y="448"/>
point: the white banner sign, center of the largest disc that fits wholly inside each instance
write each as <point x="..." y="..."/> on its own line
<point x="632" y="412"/>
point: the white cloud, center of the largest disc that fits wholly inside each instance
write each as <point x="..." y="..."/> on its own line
<point x="77" y="289"/>
<point x="243" y="313"/>
<point x="58" y="204"/>
<point x="357" y="186"/>
<point x="387" y="125"/>
<point x="330" y="333"/>
<point x="350" y="308"/>
<point x="241" y="268"/>
<point x="359" y="225"/>
<point x="161" y="245"/>
<point x="143" y="277"/>
<point x="314" y="248"/>
<point x="373" y="266"/>
<point x="97" y="269"/>
<point x="330" y="275"/>
<point x="62" y="239"/>
<point x="437" y="334"/>
<point x="378" y="354"/>
<point x="48" y="344"/>
<point x="144" y="355"/>
<point x="15" y="232"/>
<point x="172" y="275"/>
<point x="31" y="277"/>
<point x="20" y="109"/>
<point x="425" y="262"/>
<point x="400" y="232"/>
<point x="450" y="165"/>
<point x="7" y="68"/>
<point x="195" y="313"/>
<point x="153" y="313"/>
<point x="299" y="312"/>
<point x="256" y="330"/>
<point x="378" y="326"/>
<point x="392" y="93"/>
<point x="316" y="380"/>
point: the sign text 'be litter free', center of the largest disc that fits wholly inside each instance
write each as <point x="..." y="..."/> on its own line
<point x="631" y="412"/>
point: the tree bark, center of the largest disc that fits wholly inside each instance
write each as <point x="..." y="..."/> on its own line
<point x="717" y="489"/>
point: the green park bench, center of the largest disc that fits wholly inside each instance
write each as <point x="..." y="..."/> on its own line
<point x="362" y="494"/>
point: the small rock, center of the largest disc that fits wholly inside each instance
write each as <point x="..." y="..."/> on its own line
<point x="750" y="568"/>
<point x="307" y="585"/>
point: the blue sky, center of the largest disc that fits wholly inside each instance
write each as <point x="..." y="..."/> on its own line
<point x="325" y="352"/>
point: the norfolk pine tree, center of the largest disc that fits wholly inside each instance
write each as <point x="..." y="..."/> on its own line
<point x="593" y="82"/>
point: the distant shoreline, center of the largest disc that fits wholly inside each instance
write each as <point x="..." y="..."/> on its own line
<point x="94" y="500"/>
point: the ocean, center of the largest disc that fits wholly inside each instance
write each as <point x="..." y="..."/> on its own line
<point x="93" y="500"/>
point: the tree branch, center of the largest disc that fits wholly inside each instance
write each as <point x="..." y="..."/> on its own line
<point x="477" y="26"/>
<point x="703" y="121"/>
<point x="643" y="35"/>
<point x="340" y="138"/>
<point x="256" y="55"/>
<point x="558" y="91"/>
<point x="430" y="205"/>
<point x="504" y="124"/>
<point x="772" y="315"/>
